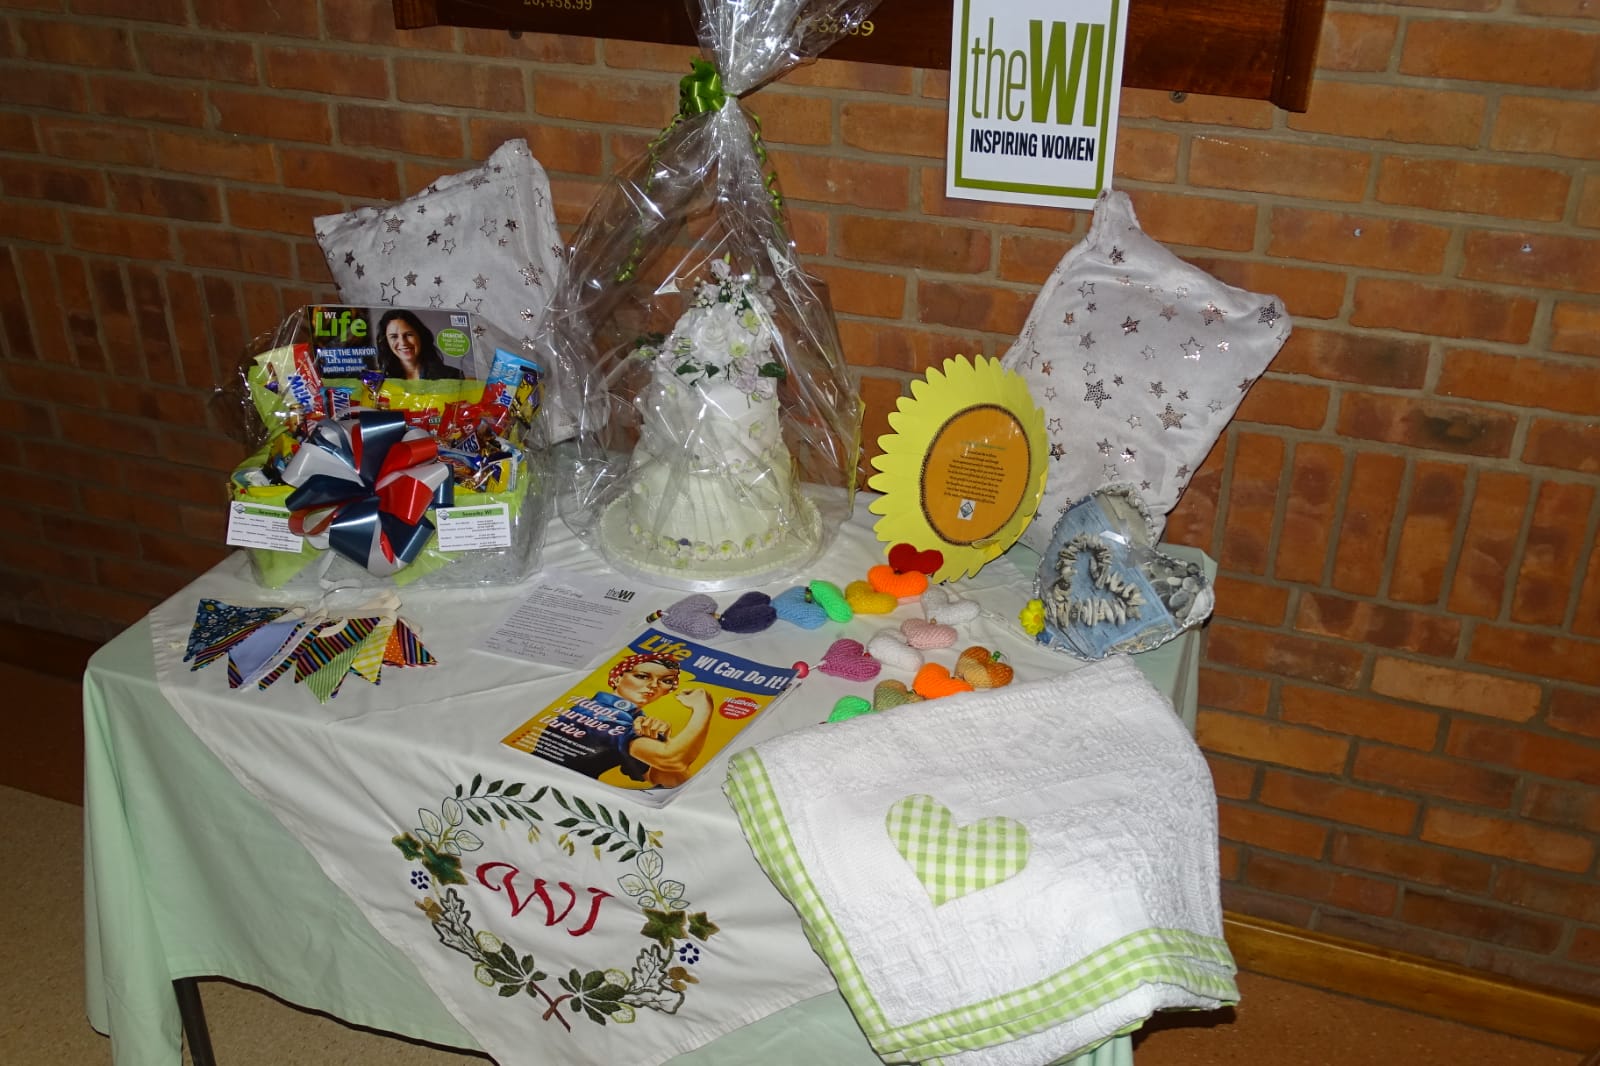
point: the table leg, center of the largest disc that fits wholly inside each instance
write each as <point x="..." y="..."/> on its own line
<point x="193" y="1014"/>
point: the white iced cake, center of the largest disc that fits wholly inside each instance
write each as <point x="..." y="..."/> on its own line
<point x="710" y="475"/>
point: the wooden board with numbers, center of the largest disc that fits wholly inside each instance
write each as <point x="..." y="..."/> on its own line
<point x="1250" y="49"/>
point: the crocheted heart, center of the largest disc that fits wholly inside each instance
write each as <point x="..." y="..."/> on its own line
<point x="890" y="648"/>
<point x="933" y="681"/>
<point x="954" y="860"/>
<point x="864" y="599"/>
<point x="850" y="707"/>
<point x="983" y="668"/>
<point x="827" y="595"/>
<point x="924" y="634"/>
<point x="891" y="693"/>
<point x="848" y="659"/>
<point x="906" y="557"/>
<point x="941" y="605"/>
<point x="793" y="605"/>
<point x="750" y="613"/>
<point x="693" y="616"/>
<point x="901" y="584"/>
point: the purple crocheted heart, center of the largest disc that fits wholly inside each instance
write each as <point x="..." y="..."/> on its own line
<point x="693" y="616"/>
<point x="750" y="613"/>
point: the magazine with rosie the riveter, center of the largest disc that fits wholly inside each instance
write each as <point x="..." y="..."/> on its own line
<point x="653" y="714"/>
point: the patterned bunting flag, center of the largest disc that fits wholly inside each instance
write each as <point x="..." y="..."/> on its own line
<point x="405" y="649"/>
<point x="269" y="643"/>
<point x="324" y="683"/>
<point x="368" y="662"/>
<point x="219" y="626"/>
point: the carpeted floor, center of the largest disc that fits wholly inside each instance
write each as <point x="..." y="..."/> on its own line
<point x="41" y="959"/>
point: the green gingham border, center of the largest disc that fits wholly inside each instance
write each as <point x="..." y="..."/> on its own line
<point x="1201" y="964"/>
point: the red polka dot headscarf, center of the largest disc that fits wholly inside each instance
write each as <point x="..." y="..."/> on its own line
<point x="617" y="671"/>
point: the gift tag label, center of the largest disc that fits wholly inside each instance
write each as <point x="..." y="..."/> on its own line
<point x="473" y="528"/>
<point x="261" y="525"/>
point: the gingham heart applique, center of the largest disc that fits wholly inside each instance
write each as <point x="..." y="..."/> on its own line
<point x="952" y="861"/>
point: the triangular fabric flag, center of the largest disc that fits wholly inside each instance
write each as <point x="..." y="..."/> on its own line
<point x="368" y="662"/>
<point x="218" y="626"/>
<point x="325" y="682"/>
<point x="405" y="649"/>
<point x="316" y="652"/>
<point x="292" y="656"/>
<point x="251" y="658"/>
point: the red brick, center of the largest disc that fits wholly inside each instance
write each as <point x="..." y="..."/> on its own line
<point x="1196" y="221"/>
<point x="1585" y="947"/>
<point x="96" y="141"/>
<point x="1532" y="753"/>
<point x="1538" y="654"/>
<point x="277" y="212"/>
<point x="792" y="118"/>
<point x="215" y="156"/>
<point x="1480" y="923"/>
<point x="539" y="47"/>
<point x="1264" y="741"/>
<point x="113" y="235"/>
<point x="74" y="43"/>
<point x="1546" y="126"/>
<point x="1354" y="41"/>
<point x="1363" y="622"/>
<point x="1412" y="307"/>
<point x="1359" y="716"/>
<point x="971" y="306"/>
<point x="204" y="248"/>
<point x="1393" y="114"/>
<point x="894" y="129"/>
<point x="1574" y="712"/>
<point x="339" y="172"/>
<point x="1507" y="838"/>
<point x="838" y="74"/>
<point x="880" y="396"/>
<point x="1538" y="890"/>
<point x="249" y="17"/>
<point x="1196" y="108"/>
<point x="1194" y="520"/>
<point x="828" y="179"/>
<point x="1257" y="469"/>
<point x="1263" y="165"/>
<point x="459" y="83"/>
<point x="1306" y="292"/>
<point x="1411" y="862"/>
<point x="1146" y="155"/>
<point x="145" y="100"/>
<point x="863" y="292"/>
<point x="1370" y="505"/>
<point x="36" y="180"/>
<point x="1433" y="512"/>
<point x="893" y="347"/>
<point x="935" y="204"/>
<point x="1273" y="401"/>
<point x="1028" y="259"/>
<point x="1316" y="882"/>
<point x="1586" y="620"/>
<point x="358" y="22"/>
<point x="1568" y="445"/>
<point x="1275" y="832"/>
<point x="272" y="116"/>
<point x="1250" y="601"/>
<point x="401" y="130"/>
<point x="178" y="198"/>
<point x="1501" y="190"/>
<point x="613" y="101"/>
<point x="173" y="12"/>
<point x="334" y="73"/>
<point x="1231" y="778"/>
<point x="1575" y="327"/>
<point x="1561" y="805"/>
<point x="1479" y="582"/>
<point x="1240" y="900"/>
<point x="206" y="58"/>
<point x="1501" y="51"/>
<point x="1315" y="476"/>
<point x="1357" y="240"/>
<point x="1329" y="800"/>
<point x="1419" y="423"/>
<point x="57" y="90"/>
<point x="1455" y="689"/>
<point x="913" y="245"/>
<point x="1228" y="691"/>
<point x="1523" y="381"/>
<point x="1555" y="548"/>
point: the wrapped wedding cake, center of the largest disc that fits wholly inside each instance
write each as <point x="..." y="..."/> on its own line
<point x="711" y="480"/>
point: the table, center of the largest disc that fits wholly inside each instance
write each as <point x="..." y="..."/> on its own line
<point x="187" y="874"/>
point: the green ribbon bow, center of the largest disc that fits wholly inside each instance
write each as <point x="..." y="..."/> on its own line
<point x="701" y="89"/>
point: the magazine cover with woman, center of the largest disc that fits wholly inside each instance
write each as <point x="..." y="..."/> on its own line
<point x="653" y="715"/>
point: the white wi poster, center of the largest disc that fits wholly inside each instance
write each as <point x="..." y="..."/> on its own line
<point x="1035" y="86"/>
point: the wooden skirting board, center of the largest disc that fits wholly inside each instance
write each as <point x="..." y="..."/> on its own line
<point x="1413" y="983"/>
<point x="1269" y="948"/>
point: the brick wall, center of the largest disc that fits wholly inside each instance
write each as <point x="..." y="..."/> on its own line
<point x="1401" y="694"/>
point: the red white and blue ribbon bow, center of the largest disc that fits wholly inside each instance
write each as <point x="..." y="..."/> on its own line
<point x="363" y="486"/>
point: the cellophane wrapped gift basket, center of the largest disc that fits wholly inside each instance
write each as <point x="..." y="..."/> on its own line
<point x="392" y="446"/>
<point x="719" y="427"/>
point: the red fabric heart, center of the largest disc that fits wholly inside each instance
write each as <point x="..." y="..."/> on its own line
<point x="906" y="558"/>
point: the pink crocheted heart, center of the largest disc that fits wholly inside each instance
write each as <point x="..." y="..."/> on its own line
<point x="923" y="634"/>
<point x="848" y="659"/>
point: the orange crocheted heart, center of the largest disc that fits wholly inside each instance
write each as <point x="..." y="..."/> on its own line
<point x="983" y="669"/>
<point x="891" y="693"/>
<point x="933" y="681"/>
<point x="864" y="599"/>
<point x="902" y="585"/>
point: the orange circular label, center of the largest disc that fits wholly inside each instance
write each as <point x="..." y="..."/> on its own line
<point x="975" y="474"/>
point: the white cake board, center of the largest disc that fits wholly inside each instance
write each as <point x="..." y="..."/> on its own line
<point x="626" y="554"/>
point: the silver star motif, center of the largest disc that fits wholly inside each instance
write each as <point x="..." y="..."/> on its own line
<point x="1196" y="345"/>
<point x="478" y="181"/>
<point x="436" y="301"/>
<point x="468" y="303"/>
<point x="1183" y="471"/>
<point x="1053" y="425"/>
<point x="1057" y="451"/>
<point x="1215" y="405"/>
<point x="1183" y="394"/>
<point x="480" y="282"/>
<point x="450" y="219"/>
<point x="1117" y="380"/>
<point x="393" y="223"/>
<point x="1268" y="314"/>
<point x="532" y="275"/>
<point x="1104" y="446"/>
<point x="1091" y="306"/>
<point x="489" y="227"/>
<point x="1171" y="419"/>
<point x="1108" y="472"/>
<point x="511" y="223"/>
<point x="1144" y="486"/>
<point x="1211" y="313"/>
<point x="361" y="270"/>
<point x="449" y="245"/>
<point x="1222" y="346"/>
<point x="1088" y="369"/>
<point x="1133" y="422"/>
<point x="1169" y="312"/>
<point x="1124" y="280"/>
<point x="1116" y="255"/>
<point x="1086" y="341"/>
<point x="1130" y="325"/>
<point x="387" y="248"/>
<point x="1086" y="289"/>
<point x="1157" y="389"/>
<point x="389" y="291"/>
<point x="1096" y="393"/>
<point x="433" y="238"/>
<point x="1128" y="455"/>
<point x="1244" y="385"/>
<point x="1148" y="352"/>
<point x="422" y="209"/>
<point x="437" y="280"/>
<point x="1069" y="319"/>
<point x="528" y="314"/>
<point x="1050" y="392"/>
<point x="1047" y="368"/>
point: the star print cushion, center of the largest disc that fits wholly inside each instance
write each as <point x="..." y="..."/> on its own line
<point x="483" y="241"/>
<point x="1139" y="360"/>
